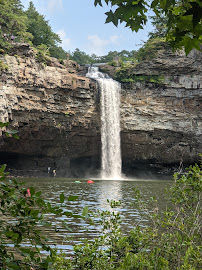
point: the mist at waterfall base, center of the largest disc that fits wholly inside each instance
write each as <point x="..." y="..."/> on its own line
<point x="110" y="124"/>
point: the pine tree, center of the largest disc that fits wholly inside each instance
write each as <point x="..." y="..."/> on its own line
<point x="13" y="20"/>
<point x="40" y="28"/>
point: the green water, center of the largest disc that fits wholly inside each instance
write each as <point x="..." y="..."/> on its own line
<point x="95" y="196"/>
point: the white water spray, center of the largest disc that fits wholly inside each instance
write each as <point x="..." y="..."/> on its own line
<point x="110" y="124"/>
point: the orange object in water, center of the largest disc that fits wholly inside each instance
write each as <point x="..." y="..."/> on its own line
<point x="90" y="182"/>
<point x="28" y="193"/>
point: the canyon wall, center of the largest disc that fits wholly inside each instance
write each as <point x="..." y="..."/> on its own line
<point x="55" y="108"/>
<point x="162" y="123"/>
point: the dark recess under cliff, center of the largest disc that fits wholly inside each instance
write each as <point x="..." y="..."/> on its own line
<point x="56" y="112"/>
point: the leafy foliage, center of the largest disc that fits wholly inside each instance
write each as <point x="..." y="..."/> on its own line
<point x="43" y="34"/>
<point x="42" y="54"/>
<point x="40" y="29"/>
<point x="13" y="21"/>
<point x="160" y="26"/>
<point x="27" y="26"/>
<point x="151" y="48"/>
<point x="3" y="66"/>
<point x="11" y="132"/>
<point x="22" y="238"/>
<point x="81" y="57"/>
<point x="183" y="22"/>
<point x="126" y="74"/>
<point x="58" y="52"/>
<point x="171" y="239"/>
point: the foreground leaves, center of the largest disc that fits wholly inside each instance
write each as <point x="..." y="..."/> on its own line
<point x="22" y="221"/>
<point x="184" y="18"/>
<point x="167" y="239"/>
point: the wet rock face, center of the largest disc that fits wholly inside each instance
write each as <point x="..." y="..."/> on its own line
<point x="56" y="112"/>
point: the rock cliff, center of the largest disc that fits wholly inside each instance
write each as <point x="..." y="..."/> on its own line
<point x="162" y="123"/>
<point x="55" y="108"/>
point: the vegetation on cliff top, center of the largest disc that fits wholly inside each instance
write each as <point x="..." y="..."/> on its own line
<point x="183" y="18"/>
<point x="17" y="25"/>
<point x="178" y="22"/>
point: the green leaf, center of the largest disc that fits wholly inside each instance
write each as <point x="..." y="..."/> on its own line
<point x="62" y="197"/>
<point x="72" y="198"/>
<point x="67" y="214"/>
<point x="38" y="194"/>
<point x="98" y="2"/>
<point x="16" y="137"/>
<point x="2" y="169"/>
<point x="154" y="3"/>
<point x="4" y="124"/>
<point x="85" y="211"/>
<point x="32" y="191"/>
<point x="112" y="17"/>
<point x="49" y="206"/>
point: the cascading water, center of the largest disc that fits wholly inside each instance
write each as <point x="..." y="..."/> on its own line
<point x="110" y="124"/>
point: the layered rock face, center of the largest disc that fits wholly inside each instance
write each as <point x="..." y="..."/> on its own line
<point x="56" y="112"/>
<point x="162" y="123"/>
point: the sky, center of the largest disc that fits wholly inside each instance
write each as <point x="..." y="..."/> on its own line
<point x="82" y="25"/>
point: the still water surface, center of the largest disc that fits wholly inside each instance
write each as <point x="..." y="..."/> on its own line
<point x="95" y="196"/>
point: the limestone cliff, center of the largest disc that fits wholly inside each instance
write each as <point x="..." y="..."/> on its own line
<point x="56" y="112"/>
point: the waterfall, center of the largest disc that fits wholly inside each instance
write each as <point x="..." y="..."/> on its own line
<point x="110" y="124"/>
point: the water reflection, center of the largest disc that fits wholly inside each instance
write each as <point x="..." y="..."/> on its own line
<point x="95" y="196"/>
<point x="109" y="190"/>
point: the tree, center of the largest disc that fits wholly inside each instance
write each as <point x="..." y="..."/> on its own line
<point x="40" y="28"/>
<point x="184" y="24"/>
<point x="160" y="27"/>
<point x="81" y="57"/>
<point x="58" y="52"/>
<point x="109" y="57"/>
<point x="13" y="21"/>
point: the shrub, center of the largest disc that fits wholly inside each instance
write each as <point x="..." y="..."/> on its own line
<point x="126" y="74"/>
<point x="171" y="239"/>
<point x="22" y="221"/>
<point x="151" y="48"/>
<point x="3" y="66"/>
<point x="61" y="61"/>
<point x="113" y="64"/>
<point x="2" y="51"/>
<point x="42" y="54"/>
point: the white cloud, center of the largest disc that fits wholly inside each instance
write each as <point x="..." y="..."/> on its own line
<point x="98" y="46"/>
<point x="43" y="6"/>
<point x="55" y="4"/>
<point x="66" y="42"/>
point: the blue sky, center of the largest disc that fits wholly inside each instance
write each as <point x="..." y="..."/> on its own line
<point x="82" y="25"/>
